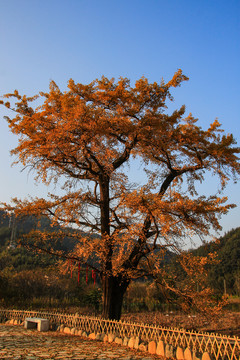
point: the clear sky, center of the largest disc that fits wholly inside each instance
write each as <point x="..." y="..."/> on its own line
<point x="45" y="40"/>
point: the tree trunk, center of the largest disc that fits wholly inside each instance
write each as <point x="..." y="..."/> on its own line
<point x="114" y="289"/>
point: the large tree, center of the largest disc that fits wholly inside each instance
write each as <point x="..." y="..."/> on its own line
<point x="86" y="139"/>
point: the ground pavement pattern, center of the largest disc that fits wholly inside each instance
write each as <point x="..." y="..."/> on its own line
<point x="19" y="343"/>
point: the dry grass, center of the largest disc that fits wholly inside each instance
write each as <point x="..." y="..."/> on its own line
<point x="227" y="323"/>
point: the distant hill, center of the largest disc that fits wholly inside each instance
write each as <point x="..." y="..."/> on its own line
<point x="19" y="258"/>
<point x="224" y="275"/>
<point x="29" y="223"/>
<point x="227" y="272"/>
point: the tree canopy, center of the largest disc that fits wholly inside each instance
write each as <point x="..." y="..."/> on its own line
<point x="86" y="137"/>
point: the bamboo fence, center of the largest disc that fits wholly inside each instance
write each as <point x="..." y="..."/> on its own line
<point x="218" y="346"/>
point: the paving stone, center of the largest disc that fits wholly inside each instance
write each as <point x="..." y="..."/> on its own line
<point x="92" y="336"/>
<point x="105" y="338"/>
<point x="160" y="348"/>
<point x="152" y="347"/>
<point x="206" y="356"/>
<point x="111" y="338"/>
<point x="67" y="330"/>
<point x="179" y="353"/>
<point x="131" y="342"/>
<point x="19" y="343"/>
<point x="136" y="343"/>
<point x="73" y="331"/>
<point x="142" y="347"/>
<point x="187" y="354"/>
<point x="118" y="341"/>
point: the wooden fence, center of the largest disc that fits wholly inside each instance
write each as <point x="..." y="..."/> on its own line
<point x="218" y="346"/>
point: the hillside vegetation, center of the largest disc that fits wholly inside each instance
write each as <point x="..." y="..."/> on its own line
<point x="34" y="279"/>
<point x="225" y="275"/>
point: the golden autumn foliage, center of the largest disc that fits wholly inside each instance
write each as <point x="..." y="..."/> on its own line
<point x="85" y="138"/>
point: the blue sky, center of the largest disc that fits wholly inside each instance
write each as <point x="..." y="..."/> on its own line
<point x="83" y="40"/>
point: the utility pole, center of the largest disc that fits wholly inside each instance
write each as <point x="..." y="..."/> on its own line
<point x="224" y="286"/>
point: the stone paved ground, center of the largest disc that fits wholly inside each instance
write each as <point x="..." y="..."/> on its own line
<point x="19" y="343"/>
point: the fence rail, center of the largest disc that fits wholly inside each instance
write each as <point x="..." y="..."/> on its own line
<point x="218" y="346"/>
